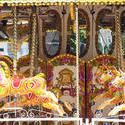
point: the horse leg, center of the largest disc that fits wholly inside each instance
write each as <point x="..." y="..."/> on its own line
<point x="68" y="106"/>
<point x="98" y="97"/>
<point x="53" y="106"/>
<point x="51" y="96"/>
<point x="117" y="109"/>
<point x="40" y="93"/>
<point x="7" y="105"/>
<point x="108" y="102"/>
<point x="48" y="100"/>
<point x="21" y="102"/>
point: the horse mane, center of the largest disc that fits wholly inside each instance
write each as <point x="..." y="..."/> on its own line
<point x="105" y="68"/>
<point x="41" y="75"/>
<point x="4" y="70"/>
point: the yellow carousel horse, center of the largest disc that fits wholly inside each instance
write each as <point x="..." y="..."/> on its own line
<point x="34" y="86"/>
<point x="114" y="82"/>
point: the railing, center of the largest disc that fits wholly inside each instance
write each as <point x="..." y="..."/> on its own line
<point x="56" y="120"/>
<point x="95" y="120"/>
<point x="40" y="120"/>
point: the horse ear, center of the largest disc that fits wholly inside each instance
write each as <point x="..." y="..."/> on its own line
<point x="120" y="70"/>
<point x="105" y="67"/>
<point x="114" y="68"/>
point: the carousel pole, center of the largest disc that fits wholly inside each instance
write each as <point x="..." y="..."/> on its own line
<point x="119" y="51"/>
<point x="15" y="40"/>
<point x="77" y="60"/>
<point x="14" y="48"/>
<point x="33" y="43"/>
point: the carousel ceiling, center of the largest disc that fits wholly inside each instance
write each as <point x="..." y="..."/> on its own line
<point x="60" y="2"/>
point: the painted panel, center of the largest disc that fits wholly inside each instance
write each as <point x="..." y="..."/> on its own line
<point x="61" y="75"/>
<point x="95" y="88"/>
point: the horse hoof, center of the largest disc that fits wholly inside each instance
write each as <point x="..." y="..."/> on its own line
<point x="98" y="111"/>
<point x="64" y="114"/>
<point x="91" y="104"/>
<point x="60" y="102"/>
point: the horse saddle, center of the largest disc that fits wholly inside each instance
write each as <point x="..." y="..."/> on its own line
<point x="16" y="82"/>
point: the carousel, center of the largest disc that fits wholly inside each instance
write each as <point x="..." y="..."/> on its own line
<point x="62" y="62"/>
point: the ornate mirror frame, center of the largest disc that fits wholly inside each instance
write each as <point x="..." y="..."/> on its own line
<point x="58" y="28"/>
<point x="100" y="15"/>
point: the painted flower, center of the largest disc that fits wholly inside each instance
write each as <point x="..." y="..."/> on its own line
<point x="60" y="60"/>
<point x="72" y="60"/>
<point x="66" y="60"/>
<point x="105" y="60"/>
<point x="100" y="61"/>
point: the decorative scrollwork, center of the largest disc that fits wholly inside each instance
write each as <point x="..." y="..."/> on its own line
<point x="6" y="115"/>
<point x="37" y="123"/>
<point x="31" y="114"/>
<point x="23" y="113"/>
<point x="16" y="123"/>
<point x="98" y="114"/>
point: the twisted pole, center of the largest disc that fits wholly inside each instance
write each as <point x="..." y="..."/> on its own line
<point x="77" y="59"/>
<point x="33" y="43"/>
<point x="15" y="40"/>
<point x="14" y="50"/>
<point x="119" y="51"/>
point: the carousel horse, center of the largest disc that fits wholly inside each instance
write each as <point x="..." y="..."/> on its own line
<point x="103" y="76"/>
<point x="34" y="85"/>
<point x="114" y="82"/>
<point x="31" y="100"/>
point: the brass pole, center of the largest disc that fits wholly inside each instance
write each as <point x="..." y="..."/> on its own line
<point x="119" y="52"/>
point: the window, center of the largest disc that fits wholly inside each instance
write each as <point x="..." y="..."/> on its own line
<point x="105" y="38"/>
<point x="52" y="34"/>
<point x="83" y="32"/>
<point x="6" y="33"/>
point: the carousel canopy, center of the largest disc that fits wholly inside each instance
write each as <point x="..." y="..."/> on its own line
<point x="60" y="2"/>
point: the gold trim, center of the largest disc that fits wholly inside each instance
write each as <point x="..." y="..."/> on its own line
<point x="25" y="61"/>
<point x="100" y="56"/>
<point x="64" y="55"/>
<point x="50" y="3"/>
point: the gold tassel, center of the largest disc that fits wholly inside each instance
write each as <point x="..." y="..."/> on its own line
<point x="72" y="16"/>
<point x="72" y="11"/>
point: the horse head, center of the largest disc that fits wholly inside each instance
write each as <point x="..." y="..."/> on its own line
<point x="119" y="80"/>
<point x="105" y="74"/>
